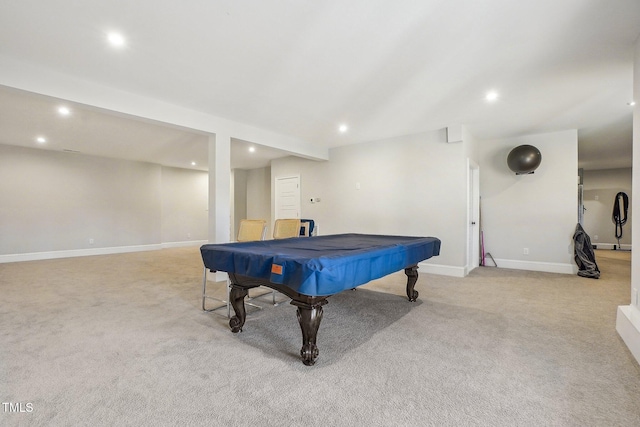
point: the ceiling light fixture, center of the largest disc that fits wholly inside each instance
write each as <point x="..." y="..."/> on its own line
<point x="252" y="149"/>
<point x="41" y="139"/>
<point x="116" y="39"/>
<point x="343" y="128"/>
<point x="64" y="111"/>
<point x="491" y="96"/>
<point x="631" y="103"/>
<point x="193" y="163"/>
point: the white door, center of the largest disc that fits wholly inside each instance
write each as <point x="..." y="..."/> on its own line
<point x="473" y="217"/>
<point x="288" y="197"/>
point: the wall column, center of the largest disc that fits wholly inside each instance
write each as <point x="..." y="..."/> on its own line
<point x="219" y="188"/>
<point x="628" y="318"/>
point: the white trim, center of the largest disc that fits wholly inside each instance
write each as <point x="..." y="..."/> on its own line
<point x="622" y="246"/>
<point x="473" y="216"/>
<point x="168" y="245"/>
<point x="443" y="270"/>
<point x="547" y="267"/>
<point x="38" y="256"/>
<point x="628" y="327"/>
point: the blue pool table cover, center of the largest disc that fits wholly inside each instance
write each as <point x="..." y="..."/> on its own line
<point x="320" y="265"/>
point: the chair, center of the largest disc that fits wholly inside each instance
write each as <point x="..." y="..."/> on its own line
<point x="249" y="230"/>
<point x="286" y="228"/>
<point x="307" y="227"/>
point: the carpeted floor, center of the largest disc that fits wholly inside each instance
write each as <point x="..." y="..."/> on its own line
<point x="121" y="340"/>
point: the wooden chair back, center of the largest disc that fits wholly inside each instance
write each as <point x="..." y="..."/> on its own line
<point x="251" y="230"/>
<point x="285" y="228"/>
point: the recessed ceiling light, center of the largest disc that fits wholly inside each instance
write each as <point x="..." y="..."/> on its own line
<point x="343" y="128"/>
<point x="64" y="111"/>
<point x="193" y="163"/>
<point x="631" y="103"/>
<point x="491" y="96"/>
<point x="252" y="149"/>
<point x="116" y="39"/>
<point x="41" y="139"/>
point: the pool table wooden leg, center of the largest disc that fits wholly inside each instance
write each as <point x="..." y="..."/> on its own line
<point x="236" y="297"/>
<point x="412" y="278"/>
<point x="309" y="317"/>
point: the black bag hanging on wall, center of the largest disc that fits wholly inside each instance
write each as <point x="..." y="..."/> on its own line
<point x="618" y="211"/>
<point x="584" y="255"/>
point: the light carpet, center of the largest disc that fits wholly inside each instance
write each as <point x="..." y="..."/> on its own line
<point x="121" y="340"/>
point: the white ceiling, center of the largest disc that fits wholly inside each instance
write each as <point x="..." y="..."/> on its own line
<point x="301" y="68"/>
<point x="26" y="116"/>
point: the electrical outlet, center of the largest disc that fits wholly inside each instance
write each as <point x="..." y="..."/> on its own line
<point x="525" y="251"/>
<point x="91" y="241"/>
<point x="595" y="237"/>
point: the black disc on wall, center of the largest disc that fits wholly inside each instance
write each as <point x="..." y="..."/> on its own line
<point x="524" y="159"/>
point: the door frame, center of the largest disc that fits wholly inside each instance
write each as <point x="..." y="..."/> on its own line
<point x="276" y="194"/>
<point x="473" y="216"/>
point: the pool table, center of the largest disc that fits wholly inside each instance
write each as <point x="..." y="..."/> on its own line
<point x="310" y="269"/>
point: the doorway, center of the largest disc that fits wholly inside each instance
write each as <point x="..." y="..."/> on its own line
<point x="287" y="197"/>
<point x="473" y="216"/>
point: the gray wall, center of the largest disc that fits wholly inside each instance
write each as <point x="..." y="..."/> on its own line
<point x="411" y="185"/>
<point x="251" y="190"/>
<point x="538" y="211"/>
<point x="635" y="261"/>
<point x="55" y="201"/>
<point x="414" y="185"/>
<point x="600" y="189"/>
<point x="259" y="195"/>
<point x="184" y="204"/>
<point x="239" y="197"/>
<point x="417" y="185"/>
<point x="628" y="317"/>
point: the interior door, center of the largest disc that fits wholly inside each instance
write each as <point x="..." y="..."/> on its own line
<point x="287" y="197"/>
<point x="473" y="216"/>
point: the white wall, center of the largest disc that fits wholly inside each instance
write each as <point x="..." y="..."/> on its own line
<point x="259" y="195"/>
<point x="61" y="204"/>
<point x="251" y="191"/>
<point x="600" y="189"/>
<point x="239" y="197"/>
<point x="184" y="204"/>
<point x="536" y="211"/>
<point x="417" y="185"/>
<point x="411" y="185"/>
<point x="628" y="319"/>
<point x="24" y="76"/>
<point x="635" y="198"/>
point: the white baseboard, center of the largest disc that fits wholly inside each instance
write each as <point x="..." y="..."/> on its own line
<point x="611" y="246"/>
<point x="37" y="256"/>
<point x="628" y="327"/>
<point x="168" y="245"/>
<point x="443" y="270"/>
<point x="547" y="267"/>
